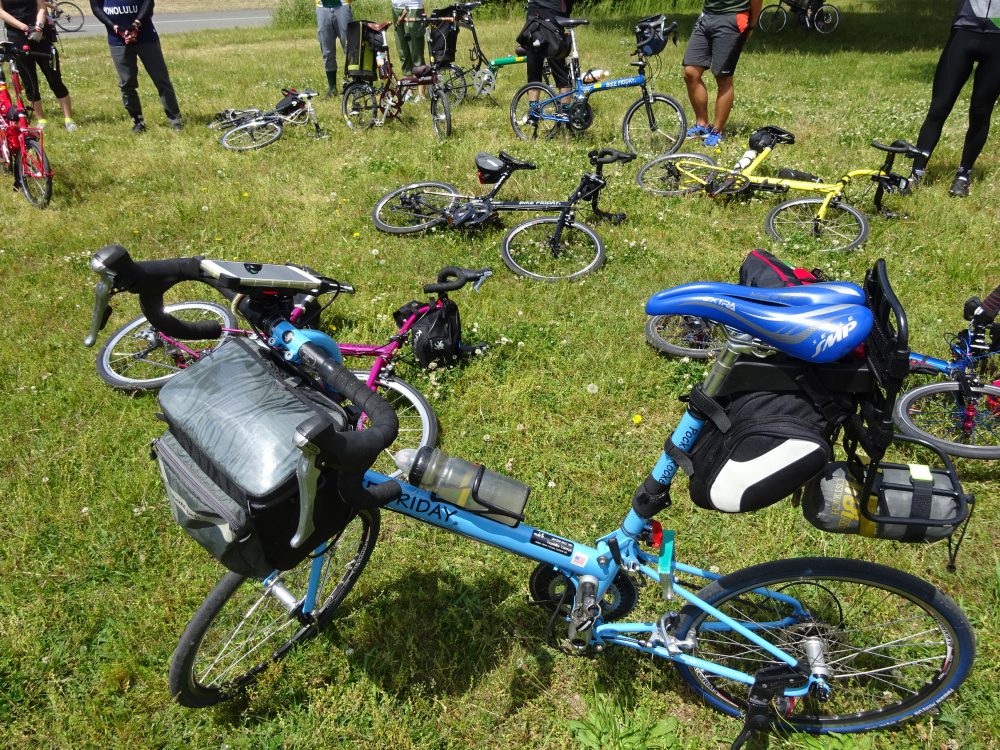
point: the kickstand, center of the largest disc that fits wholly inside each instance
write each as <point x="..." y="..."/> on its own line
<point x="760" y="715"/>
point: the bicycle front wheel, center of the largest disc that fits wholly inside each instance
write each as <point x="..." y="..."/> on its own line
<point x="658" y="130"/>
<point x="531" y="249"/>
<point x="960" y="421"/>
<point x="826" y="19"/>
<point x="440" y="113"/>
<point x="418" y="425"/>
<point x="526" y="114"/>
<point x="451" y="79"/>
<point x="796" y="223"/>
<point x="245" y="625"/>
<point x="252" y="135"/>
<point x="772" y="19"/>
<point x="358" y="105"/>
<point x="892" y="646"/>
<point x="138" y="358"/>
<point x="414" y="207"/>
<point x="68" y="17"/>
<point x="34" y="173"/>
<point x="685" y="336"/>
<point x="678" y="174"/>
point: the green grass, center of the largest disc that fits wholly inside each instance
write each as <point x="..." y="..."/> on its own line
<point x="436" y="647"/>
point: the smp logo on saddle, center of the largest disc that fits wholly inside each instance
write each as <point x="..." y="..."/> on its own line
<point x="835" y="337"/>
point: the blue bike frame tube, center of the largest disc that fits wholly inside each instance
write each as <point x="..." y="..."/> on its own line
<point x="618" y="83"/>
<point x="932" y="362"/>
<point x="315" y="573"/>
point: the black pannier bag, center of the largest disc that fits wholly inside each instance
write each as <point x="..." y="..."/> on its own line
<point x="228" y="460"/>
<point x="545" y="37"/>
<point x="436" y="339"/>
<point x="360" y="50"/>
<point x="442" y="35"/>
<point x="289" y="103"/>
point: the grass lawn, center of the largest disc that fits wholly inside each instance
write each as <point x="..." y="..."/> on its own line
<point x="435" y="647"/>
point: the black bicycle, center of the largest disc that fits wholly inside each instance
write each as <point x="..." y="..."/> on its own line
<point x="547" y="248"/>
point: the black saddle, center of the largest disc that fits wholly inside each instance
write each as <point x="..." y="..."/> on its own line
<point x="513" y="163"/>
<point x="570" y="23"/>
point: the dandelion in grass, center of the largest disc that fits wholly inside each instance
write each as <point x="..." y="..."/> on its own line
<point x="592" y="388"/>
<point x="356" y="234"/>
<point x="637" y="419"/>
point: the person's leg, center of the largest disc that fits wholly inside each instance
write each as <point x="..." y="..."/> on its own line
<point x="560" y="74"/>
<point x="985" y="92"/>
<point x="151" y="55"/>
<point x="54" y="78"/>
<point x="954" y="68"/>
<point x="126" y="65"/>
<point x="728" y="36"/>
<point x="723" y="101"/>
<point x="342" y="16"/>
<point x="326" y="32"/>
<point x="402" y="42"/>
<point x="697" y="93"/>
<point x="415" y="35"/>
<point x="697" y="59"/>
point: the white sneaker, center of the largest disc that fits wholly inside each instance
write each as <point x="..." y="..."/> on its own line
<point x="71" y="126"/>
<point x="418" y="98"/>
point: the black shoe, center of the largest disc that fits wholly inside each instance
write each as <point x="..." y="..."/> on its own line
<point x="177" y="125"/>
<point x="329" y="93"/>
<point x="139" y="127"/>
<point x="960" y="186"/>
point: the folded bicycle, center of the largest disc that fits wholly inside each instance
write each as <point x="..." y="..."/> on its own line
<point x="549" y="248"/>
<point x="827" y="223"/>
<point x="22" y="150"/>
<point x="807" y="644"/>
<point x="248" y="129"/>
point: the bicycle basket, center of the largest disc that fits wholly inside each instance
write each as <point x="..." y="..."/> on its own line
<point x="649" y="37"/>
<point x="360" y="50"/>
<point x="228" y="460"/>
<point x="442" y="36"/>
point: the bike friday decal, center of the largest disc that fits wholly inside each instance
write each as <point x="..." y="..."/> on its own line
<point x="552" y="543"/>
<point x="421" y="505"/>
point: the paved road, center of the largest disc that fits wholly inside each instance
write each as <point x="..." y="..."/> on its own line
<point x="168" y="23"/>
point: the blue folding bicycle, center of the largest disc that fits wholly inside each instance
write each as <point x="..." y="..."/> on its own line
<point x="809" y="644"/>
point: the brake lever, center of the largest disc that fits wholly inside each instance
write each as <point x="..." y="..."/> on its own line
<point x="103" y="292"/>
<point x="482" y="279"/>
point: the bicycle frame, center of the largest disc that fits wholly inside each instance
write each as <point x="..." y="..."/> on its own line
<point x="14" y="133"/>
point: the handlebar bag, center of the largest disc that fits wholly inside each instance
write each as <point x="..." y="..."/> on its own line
<point x="442" y="36"/>
<point x="436" y="339"/>
<point x="228" y="460"/>
<point x="360" y="51"/>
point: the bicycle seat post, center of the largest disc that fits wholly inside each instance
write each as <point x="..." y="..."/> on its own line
<point x="737" y="343"/>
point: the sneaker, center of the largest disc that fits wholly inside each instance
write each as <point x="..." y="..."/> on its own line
<point x="40" y="123"/>
<point x="417" y="99"/>
<point x="915" y="179"/>
<point x="177" y="125"/>
<point x="139" y="127"/>
<point x="960" y="186"/>
<point x="713" y="139"/>
<point x="70" y="125"/>
<point x="698" y="131"/>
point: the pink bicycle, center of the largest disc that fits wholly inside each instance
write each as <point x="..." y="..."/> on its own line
<point x="139" y="357"/>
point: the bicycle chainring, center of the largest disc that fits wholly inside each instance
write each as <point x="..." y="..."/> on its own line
<point x="471" y="214"/>
<point x="484" y="82"/>
<point x="547" y="586"/>
<point x="581" y="116"/>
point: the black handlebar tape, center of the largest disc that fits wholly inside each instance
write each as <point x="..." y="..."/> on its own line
<point x="194" y="330"/>
<point x="991" y="304"/>
<point x="459" y="277"/>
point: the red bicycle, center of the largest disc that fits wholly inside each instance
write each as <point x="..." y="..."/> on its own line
<point x="21" y="148"/>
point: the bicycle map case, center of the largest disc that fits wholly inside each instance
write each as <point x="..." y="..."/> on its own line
<point x="234" y="275"/>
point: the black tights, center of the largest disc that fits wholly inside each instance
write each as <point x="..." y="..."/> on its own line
<point x="964" y="48"/>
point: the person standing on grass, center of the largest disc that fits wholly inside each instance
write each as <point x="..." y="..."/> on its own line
<point x="410" y="30"/>
<point x="546" y="10"/>
<point x="27" y="25"/>
<point x="131" y="38"/>
<point x="717" y="40"/>
<point x="974" y="41"/>
<point x="332" y="17"/>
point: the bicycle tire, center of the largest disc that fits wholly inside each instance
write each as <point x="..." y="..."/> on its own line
<point x="417" y="419"/>
<point x="826" y="19"/>
<point x="685" y="336"/>
<point x="69" y="18"/>
<point x="665" y="137"/>
<point x="525" y="127"/>
<point x="415" y="207"/>
<point x="451" y="79"/>
<point x="772" y="19"/>
<point x="794" y="223"/>
<point x="252" y="135"/>
<point x="533" y="257"/>
<point x="440" y="113"/>
<point x="678" y="174"/>
<point x="189" y="677"/>
<point x="34" y="173"/>
<point x="862" y="664"/>
<point x="358" y="105"/>
<point x="939" y="414"/>
<point x="138" y="348"/>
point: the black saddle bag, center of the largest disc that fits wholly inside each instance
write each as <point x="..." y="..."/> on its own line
<point x="542" y="35"/>
<point x="436" y="339"/>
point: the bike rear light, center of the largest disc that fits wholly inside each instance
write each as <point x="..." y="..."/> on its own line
<point x="656" y="537"/>
<point x="482" y="177"/>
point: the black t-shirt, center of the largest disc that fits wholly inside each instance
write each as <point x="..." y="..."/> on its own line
<point x="978" y="15"/>
<point x="25" y="11"/>
<point x="551" y="7"/>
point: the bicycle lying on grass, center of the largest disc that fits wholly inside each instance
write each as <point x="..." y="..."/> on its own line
<point x="808" y="644"/>
<point x="140" y="356"/>
<point x="813" y="14"/>
<point x="21" y="146"/>
<point x="549" y="248"/>
<point x="828" y="223"/>
<point x="653" y="124"/>
<point x="248" y="129"/>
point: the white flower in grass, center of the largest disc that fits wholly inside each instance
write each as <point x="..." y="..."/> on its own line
<point x="85" y="511"/>
<point x="592" y="388"/>
<point x="487" y="438"/>
<point x="551" y="484"/>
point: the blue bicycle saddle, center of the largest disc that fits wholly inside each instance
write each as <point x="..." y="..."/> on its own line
<point x="824" y="293"/>
<point x="815" y="333"/>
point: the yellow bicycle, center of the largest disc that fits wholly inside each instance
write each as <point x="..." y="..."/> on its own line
<point x="826" y="223"/>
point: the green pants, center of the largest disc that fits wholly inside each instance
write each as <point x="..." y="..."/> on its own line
<point x="409" y="41"/>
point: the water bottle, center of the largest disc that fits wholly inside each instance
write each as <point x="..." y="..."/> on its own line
<point x="595" y="75"/>
<point x="748" y="156"/>
<point x="463" y="483"/>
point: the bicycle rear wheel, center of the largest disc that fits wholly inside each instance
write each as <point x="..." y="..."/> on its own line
<point x="452" y="80"/>
<point x="685" y="335"/>
<point x="891" y="644"/>
<point x="526" y="120"/>
<point x="772" y="19"/>
<point x="358" y="105"/>
<point x="960" y="421"/>
<point x="68" y="17"/>
<point x="796" y="223"/>
<point x="678" y="174"/>
<point x="663" y="135"/>
<point x="530" y="249"/>
<point x="440" y="113"/>
<point x="826" y="19"/>
<point x="138" y="358"/>
<point x="34" y="173"/>
<point x="418" y="425"/>
<point x="414" y="207"/>
<point x="252" y="135"/>
<point x="243" y="625"/>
